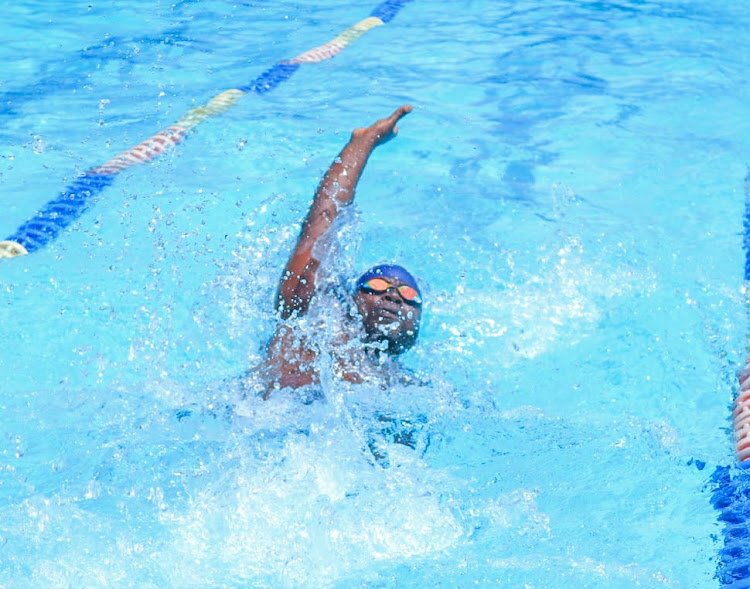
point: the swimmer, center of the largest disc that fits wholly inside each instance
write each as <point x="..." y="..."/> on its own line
<point x="383" y="319"/>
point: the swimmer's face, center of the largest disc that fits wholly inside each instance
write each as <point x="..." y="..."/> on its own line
<point x="388" y="317"/>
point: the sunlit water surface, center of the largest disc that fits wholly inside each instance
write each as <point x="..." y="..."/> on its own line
<point x="569" y="191"/>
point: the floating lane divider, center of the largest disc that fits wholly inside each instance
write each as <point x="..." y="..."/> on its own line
<point x="731" y="495"/>
<point x="70" y="204"/>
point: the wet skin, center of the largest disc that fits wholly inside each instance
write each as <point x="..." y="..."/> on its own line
<point x="389" y="317"/>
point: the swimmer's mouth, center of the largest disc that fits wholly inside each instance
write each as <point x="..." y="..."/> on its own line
<point x="387" y="313"/>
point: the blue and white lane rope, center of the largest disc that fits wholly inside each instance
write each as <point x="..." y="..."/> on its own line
<point x="731" y="495"/>
<point x="71" y="203"/>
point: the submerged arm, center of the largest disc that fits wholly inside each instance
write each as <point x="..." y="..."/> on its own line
<point x="335" y="191"/>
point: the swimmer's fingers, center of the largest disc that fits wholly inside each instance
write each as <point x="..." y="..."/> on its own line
<point x="397" y="115"/>
<point x="384" y="129"/>
<point x="389" y="124"/>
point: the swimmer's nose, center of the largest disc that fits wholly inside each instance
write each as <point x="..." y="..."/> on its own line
<point x="393" y="296"/>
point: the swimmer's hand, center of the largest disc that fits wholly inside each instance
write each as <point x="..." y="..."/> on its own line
<point x="383" y="130"/>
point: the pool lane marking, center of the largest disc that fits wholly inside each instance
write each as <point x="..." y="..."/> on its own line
<point x="731" y="493"/>
<point x="741" y="410"/>
<point x="47" y="223"/>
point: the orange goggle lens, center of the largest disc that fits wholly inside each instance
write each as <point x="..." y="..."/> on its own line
<point x="379" y="286"/>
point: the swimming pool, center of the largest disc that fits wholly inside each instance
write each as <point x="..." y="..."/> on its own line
<point x="569" y="190"/>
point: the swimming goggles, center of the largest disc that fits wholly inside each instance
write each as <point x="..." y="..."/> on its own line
<point x="380" y="286"/>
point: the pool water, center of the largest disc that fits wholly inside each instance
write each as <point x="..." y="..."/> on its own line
<point x="569" y="190"/>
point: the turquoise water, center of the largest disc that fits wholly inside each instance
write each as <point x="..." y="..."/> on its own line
<point x="569" y="188"/>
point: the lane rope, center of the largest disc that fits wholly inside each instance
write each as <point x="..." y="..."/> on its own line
<point x="47" y="223"/>
<point x="731" y="495"/>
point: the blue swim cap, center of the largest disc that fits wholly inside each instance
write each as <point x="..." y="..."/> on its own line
<point x="389" y="271"/>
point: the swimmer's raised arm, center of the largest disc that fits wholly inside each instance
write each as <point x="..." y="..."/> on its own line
<point x="335" y="191"/>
